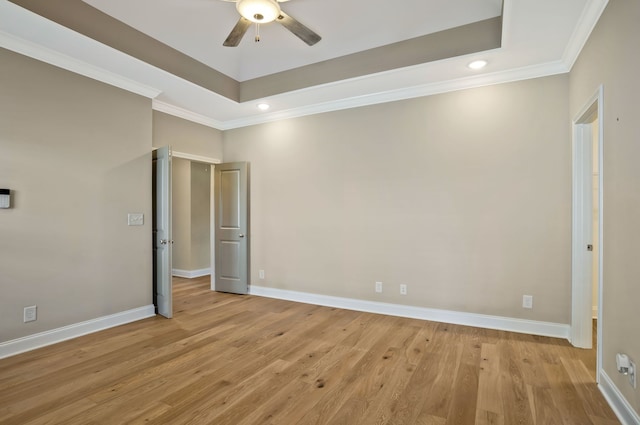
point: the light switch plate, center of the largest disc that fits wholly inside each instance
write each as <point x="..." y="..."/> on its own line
<point x="30" y="314"/>
<point x="5" y="198"/>
<point x="135" y="219"/>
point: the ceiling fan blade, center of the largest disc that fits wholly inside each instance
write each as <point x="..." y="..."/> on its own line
<point x="237" y="32"/>
<point x="302" y="32"/>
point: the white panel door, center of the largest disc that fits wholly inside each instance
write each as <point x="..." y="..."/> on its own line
<point x="232" y="228"/>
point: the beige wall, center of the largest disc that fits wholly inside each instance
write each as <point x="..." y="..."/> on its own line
<point x="186" y="136"/>
<point x="181" y="213"/>
<point x="191" y="218"/>
<point x="610" y="58"/>
<point x="77" y="155"/>
<point x="200" y="216"/>
<point x="465" y="197"/>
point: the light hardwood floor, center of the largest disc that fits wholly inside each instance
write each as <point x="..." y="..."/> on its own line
<point x="238" y="360"/>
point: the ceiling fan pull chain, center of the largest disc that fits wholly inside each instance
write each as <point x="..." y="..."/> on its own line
<point x="257" y="32"/>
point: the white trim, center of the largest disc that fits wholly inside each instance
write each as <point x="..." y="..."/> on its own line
<point x="556" y="330"/>
<point x="179" y="112"/>
<point x="588" y="107"/>
<point x="198" y="158"/>
<point x="582" y="222"/>
<point x="190" y="274"/>
<point x="42" y="339"/>
<point x="586" y="23"/>
<point x="512" y="75"/>
<point x="580" y="293"/>
<point x="212" y="227"/>
<point x="52" y="57"/>
<point x="36" y="51"/>
<point x="620" y="406"/>
<point x="599" y="323"/>
<point x="594" y="312"/>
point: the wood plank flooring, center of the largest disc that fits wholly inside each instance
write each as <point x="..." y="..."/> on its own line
<point x="242" y="360"/>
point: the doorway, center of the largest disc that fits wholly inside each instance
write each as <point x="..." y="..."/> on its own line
<point x="191" y="216"/>
<point x="199" y="271"/>
<point x="240" y="233"/>
<point x="587" y="229"/>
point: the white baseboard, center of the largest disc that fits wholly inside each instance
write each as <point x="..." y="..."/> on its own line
<point x="556" y="330"/>
<point x="190" y="274"/>
<point x="31" y="342"/>
<point x="620" y="406"/>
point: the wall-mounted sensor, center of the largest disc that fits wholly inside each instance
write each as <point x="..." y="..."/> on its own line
<point x="5" y="198"/>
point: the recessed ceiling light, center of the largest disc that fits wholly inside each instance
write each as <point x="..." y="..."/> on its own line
<point x="477" y="64"/>
<point x="263" y="106"/>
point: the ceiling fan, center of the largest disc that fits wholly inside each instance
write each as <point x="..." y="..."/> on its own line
<point x="262" y="12"/>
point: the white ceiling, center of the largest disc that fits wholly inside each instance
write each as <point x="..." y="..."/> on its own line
<point x="540" y="37"/>
<point x="198" y="28"/>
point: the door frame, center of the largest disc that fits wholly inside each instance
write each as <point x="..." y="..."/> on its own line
<point x="212" y="217"/>
<point x="582" y="222"/>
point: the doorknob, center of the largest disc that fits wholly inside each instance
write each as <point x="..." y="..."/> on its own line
<point x="241" y="235"/>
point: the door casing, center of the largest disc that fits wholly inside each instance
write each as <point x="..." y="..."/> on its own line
<point x="582" y="222"/>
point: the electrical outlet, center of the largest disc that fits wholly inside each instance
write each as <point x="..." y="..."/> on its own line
<point x="30" y="314"/>
<point x="403" y="289"/>
<point x="261" y="272"/>
<point x="378" y="287"/>
<point x="527" y="301"/>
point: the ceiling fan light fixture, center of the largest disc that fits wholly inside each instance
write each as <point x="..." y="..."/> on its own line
<point x="259" y="11"/>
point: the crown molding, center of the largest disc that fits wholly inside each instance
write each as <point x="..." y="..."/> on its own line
<point x="179" y="112"/>
<point x="589" y="17"/>
<point x="43" y="54"/>
<point x="525" y="73"/>
<point x="587" y="22"/>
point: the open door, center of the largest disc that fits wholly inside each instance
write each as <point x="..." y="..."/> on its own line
<point x="587" y="130"/>
<point x="232" y="227"/>
<point x="162" y="239"/>
<point x="582" y="238"/>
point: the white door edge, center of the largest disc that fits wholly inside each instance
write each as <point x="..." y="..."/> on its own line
<point x="581" y="323"/>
